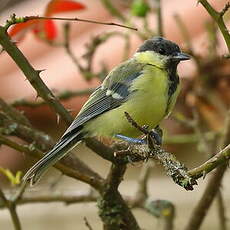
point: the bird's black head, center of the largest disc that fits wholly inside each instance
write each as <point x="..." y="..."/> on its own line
<point x="165" y="48"/>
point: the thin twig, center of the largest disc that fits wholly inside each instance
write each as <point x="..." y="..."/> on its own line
<point x="205" y="202"/>
<point x="159" y="18"/>
<point x="13" y="113"/>
<point x="70" y="166"/>
<point x="14" y="20"/>
<point x="221" y="211"/>
<point x="87" y="224"/>
<point x="142" y="192"/>
<point x="67" y="47"/>
<point x="68" y="198"/>
<point x="220" y="158"/>
<point x="214" y="182"/>
<point x="12" y="209"/>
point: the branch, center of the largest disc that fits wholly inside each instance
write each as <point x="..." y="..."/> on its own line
<point x="211" y="190"/>
<point x="220" y="158"/>
<point x="48" y="197"/>
<point x="142" y="192"/>
<point x="113" y="210"/>
<point x="12" y="209"/>
<point x="14" y="113"/>
<point x="214" y="182"/>
<point x="218" y="18"/>
<point x="15" y="20"/>
<point x="69" y="166"/>
<point x="159" y="19"/>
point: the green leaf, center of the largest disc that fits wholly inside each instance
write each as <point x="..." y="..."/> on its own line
<point x="140" y="8"/>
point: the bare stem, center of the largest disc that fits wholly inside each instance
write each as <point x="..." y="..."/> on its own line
<point x="159" y="19"/>
<point x="48" y="197"/>
<point x="203" y="205"/>
<point x="69" y="166"/>
<point x="14" y="20"/>
<point x="221" y="211"/>
<point x="220" y="158"/>
<point x="12" y="209"/>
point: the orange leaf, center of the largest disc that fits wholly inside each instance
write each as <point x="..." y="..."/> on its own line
<point x="19" y="30"/>
<point x="61" y="6"/>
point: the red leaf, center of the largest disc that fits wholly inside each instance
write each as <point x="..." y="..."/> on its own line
<point x="50" y="29"/>
<point x="46" y="29"/>
<point x="61" y="6"/>
<point x="19" y="30"/>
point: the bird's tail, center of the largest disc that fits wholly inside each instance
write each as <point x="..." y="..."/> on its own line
<point x="63" y="146"/>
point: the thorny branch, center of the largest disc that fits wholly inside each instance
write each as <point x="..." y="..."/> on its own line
<point x="218" y="18"/>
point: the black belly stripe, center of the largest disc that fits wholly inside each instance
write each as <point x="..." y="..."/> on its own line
<point x="173" y="83"/>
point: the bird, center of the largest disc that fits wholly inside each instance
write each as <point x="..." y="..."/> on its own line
<point x="145" y="86"/>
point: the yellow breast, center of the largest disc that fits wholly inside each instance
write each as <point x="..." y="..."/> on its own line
<point x="146" y="105"/>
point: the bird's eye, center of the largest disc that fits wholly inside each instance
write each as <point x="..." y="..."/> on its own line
<point x="161" y="51"/>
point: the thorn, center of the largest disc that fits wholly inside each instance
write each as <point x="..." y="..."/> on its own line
<point x="40" y="71"/>
<point x="225" y="9"/>
<point x="1" y="50"/>
<point x="36" y="97"/>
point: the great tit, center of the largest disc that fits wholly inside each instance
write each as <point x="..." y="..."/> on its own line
<point x="145" y="86"/>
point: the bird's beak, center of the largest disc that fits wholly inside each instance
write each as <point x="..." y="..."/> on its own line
<point x="181" y="56"/>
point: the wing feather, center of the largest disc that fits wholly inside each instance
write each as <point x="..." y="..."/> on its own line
<point x="99" y="102"/>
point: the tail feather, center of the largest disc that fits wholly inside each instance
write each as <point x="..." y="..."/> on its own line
<point x="65" y="145"/>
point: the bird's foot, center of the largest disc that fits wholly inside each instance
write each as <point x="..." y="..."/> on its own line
<point x="154" y="134"/>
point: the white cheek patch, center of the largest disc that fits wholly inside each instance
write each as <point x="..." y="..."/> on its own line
<point x="117" y="96"/>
